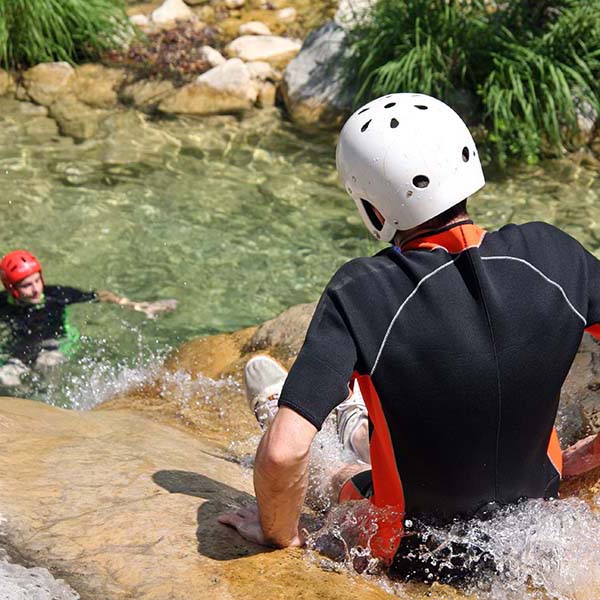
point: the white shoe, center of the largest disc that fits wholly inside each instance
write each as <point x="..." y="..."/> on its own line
<point x="351" y="414"/>
<point x="263" y="378"/>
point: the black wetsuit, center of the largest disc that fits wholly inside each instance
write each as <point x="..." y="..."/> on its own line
<point x="29" y="327"/>
<point x="460" y="342"/>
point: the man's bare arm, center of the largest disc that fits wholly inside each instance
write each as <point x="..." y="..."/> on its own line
<point x="280" y="482"/>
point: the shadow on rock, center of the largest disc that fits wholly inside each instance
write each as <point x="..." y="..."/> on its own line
<point x="215" y="540"/>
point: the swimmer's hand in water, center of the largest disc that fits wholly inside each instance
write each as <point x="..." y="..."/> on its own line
<point x="150" y="309"/>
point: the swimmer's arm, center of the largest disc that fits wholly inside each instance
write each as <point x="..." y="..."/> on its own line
<point x="280" y="482"/>
<point x="581" y="457"/>
<point x="150" y="309"/>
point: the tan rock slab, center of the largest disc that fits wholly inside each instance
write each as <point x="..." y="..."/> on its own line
<point x="121" y="507"/>
<point x="46" y="82"/>
<point x="275" y="50"/>
<point x="227" y="88"/>
<point x="146" y="94"/>
<point x="97" y="86"/>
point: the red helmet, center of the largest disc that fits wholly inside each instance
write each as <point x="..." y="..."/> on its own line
<point x="15" y="266"/>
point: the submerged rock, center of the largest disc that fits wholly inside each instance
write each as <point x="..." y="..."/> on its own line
<point x="74" y="118"/>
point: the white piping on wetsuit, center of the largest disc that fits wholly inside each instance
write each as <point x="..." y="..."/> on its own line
<point x="387" y="333"/>
<point x="562" y="291"/>
<point x="520" y="260"/>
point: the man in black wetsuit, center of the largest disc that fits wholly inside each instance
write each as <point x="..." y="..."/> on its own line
<point x="460" y="340"/>
<point x="37" y="332"/>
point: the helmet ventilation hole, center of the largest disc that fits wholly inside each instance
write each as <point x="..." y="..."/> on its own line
<point x="360" y="112"/>
<point x="465" y="154"/>
<point x="371" y="214"/>
<point x="366" y="125"/>
<point x="389" y="105"/>
<point x="394" y="123"/>
<point x="421" y="106"/>
<point x="420" y="181"/>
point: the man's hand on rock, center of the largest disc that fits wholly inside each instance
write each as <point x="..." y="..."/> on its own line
<point x="246" y="521"/>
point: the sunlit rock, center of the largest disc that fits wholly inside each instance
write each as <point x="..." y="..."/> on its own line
<point x="224" y="89"/>
<point x="46" y="82"/>
<point x="351" y="13"/>
<point x="234" y="3"/>
<point x="267" y="95"/>
<point x="287" y="15"/>
<point x="314" y="88"/>
<point x="254" y="28"/>
<point x="97" y="86"/>
<point x="213" y="57"/>
<point x="171" y="11"/>
<point x="263" y="71"/>
<point x="275" y="50"/>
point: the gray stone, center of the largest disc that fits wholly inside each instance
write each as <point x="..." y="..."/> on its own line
<point x="314" y="89"/>
<point x="46" y="82"/>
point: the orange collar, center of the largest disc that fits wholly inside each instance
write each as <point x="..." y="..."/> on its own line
<point x="454" y="238"/>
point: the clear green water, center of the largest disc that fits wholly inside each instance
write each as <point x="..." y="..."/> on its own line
<point x="237" y="220"/>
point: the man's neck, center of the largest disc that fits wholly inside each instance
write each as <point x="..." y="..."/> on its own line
<point x="402" y="237"/>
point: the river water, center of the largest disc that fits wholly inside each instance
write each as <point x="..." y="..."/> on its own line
<point x="238" y="220"/>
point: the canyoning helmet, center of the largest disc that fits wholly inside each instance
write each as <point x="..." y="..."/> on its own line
<point x="15" y="266"/>
<point x="411" y="157"/>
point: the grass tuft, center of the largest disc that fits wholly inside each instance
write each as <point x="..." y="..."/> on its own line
<point x="34" y="31"/>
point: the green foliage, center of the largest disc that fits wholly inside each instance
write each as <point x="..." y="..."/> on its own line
<point x="34" y="31"/>
<point x="528" y="64"/>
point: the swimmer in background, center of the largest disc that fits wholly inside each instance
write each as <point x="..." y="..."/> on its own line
<point x="37" y="332"/>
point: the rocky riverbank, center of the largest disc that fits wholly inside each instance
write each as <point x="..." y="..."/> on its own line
<point x="120" y="502"/>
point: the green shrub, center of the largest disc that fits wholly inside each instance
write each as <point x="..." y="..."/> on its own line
<point x="34" y="31"/>
<point x="529" y="65"/>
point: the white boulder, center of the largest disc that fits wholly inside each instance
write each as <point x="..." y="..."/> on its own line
<point x="172" y="10"/>
<point x="275" y="50"/>
<point x="234" y="3"/>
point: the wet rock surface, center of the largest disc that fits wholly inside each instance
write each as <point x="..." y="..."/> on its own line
<point x="122" y="507"/>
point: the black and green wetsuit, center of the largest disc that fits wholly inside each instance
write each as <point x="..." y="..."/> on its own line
<point x="29" y="327"/>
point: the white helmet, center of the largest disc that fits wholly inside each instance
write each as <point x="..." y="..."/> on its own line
<point x="411" y="157"/>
